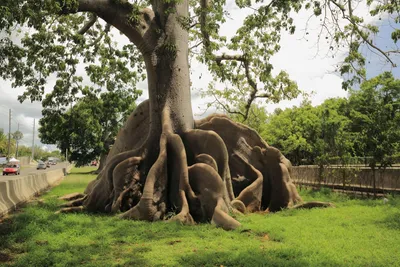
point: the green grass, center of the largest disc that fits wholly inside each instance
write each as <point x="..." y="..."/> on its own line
<point x="355" y="233"/>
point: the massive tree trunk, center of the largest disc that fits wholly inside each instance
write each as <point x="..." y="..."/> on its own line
<point x="164" y="165"/>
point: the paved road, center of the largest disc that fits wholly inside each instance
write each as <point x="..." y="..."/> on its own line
<point x="26" y="171"/>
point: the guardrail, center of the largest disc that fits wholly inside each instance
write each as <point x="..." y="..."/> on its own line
<point x="351" y="178"/>
<point x="17" y="190"/>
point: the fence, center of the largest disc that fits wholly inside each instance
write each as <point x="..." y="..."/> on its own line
<point x="349" y="178"/>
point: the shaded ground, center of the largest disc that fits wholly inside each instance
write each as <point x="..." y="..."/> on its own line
<point x="356" y="233"/>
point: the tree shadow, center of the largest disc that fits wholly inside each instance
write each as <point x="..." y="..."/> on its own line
<point x="391" y="221"/>
<point x="268" y="257"/>
<point x="20" y="245"/>
<point x="82" y="173"/>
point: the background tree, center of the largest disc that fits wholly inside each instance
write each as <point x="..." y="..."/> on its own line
<point x="335" y="134"/>
<point x="17" y="135"/>
<point x="312" y="135"/>
<point x="40" y="153"/>
<point x="88" y="129"/>
<point x="3" y="142"/>
<point x="205" y="179"/>
<point x="375" y="115"/>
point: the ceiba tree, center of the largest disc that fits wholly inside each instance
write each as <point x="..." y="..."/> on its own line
<point x="164" y="164"/>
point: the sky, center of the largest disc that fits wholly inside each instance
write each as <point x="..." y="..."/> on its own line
<point x="298" y="56"/>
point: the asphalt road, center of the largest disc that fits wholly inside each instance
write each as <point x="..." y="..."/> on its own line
<point x="26" y="171"/>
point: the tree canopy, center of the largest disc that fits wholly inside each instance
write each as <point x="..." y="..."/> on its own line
<point x="44" y="40"/>
<point x="375" y="115"/>
<point x="88" y="128"/>
<point x="366" y="125"/>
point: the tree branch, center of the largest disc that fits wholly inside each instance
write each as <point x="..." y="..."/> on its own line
<point x="361" y="34"/>
<point x="196" y="45"/>
<point x="222" y="57"/>
<point x="88" y="24"/>
<point x="205" y="5"/>
<point x="227" y="109"/>
<point x="98" y="39"/>
<point x="138" y="25"/>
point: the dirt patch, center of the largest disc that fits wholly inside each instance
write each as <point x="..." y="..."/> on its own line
<point x="174" y="242"/>
<point x="5" y="257"/>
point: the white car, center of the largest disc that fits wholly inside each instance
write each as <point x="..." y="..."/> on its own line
<point x="41" y="166"/>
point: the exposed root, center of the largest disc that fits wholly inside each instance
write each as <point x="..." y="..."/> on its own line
<point x="190" y="176"/>
<point x="71" y="210"/>
<point x="209" y="188"/>
<point x="313" y="204"/>
<point x="99" y="198"/>
<point x="184" y="215"/>
<point x="238" y="205"/>
<point x="152" y="206"/>
<point x="123" y="175"/>
<point x="179" y="181"/>
<point x="207" y="159"/>
<point x="202" y="143"/>
<point x="71" y="196"/>
<point x="252" y="194"/>
<point x="74" y="203"/>
<point x="221" y="217"/>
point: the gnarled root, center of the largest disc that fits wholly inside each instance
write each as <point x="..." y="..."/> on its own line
<point x="74" y="203"/>
<point x="313" y="204"/>
<point x="251" y="195"/>
<point x="246" y="148"/>
<point x="208" y="147"/>
<point x="125" y="173"/>
<point x="72" y="196"/>
<point x="71" y="210"/>
<point x="197" y="175"/>
<point x="209" y="188"/>
<point x="152" y="206"/>
<point x="179" y="181"/>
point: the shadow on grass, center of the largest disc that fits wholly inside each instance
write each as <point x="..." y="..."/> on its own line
<point x="268" y="257"/>
<point x="327" y="194"/>
<point x="391" y="221"/>
<point x="38" y="237"/>
<point x="82" y="173"/>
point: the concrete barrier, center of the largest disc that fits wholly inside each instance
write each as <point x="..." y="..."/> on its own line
<point x="348" y="178"/>
<point x="17" y="190"/>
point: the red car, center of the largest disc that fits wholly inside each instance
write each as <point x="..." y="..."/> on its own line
<point x="11" y="169"/>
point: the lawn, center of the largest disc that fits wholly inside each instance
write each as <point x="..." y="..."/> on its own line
<point x="355" y="233"/>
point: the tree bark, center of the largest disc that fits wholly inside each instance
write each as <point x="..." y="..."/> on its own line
<point x="102" y="163"/>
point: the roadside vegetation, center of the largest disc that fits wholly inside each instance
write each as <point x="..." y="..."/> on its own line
<point x="358" y="232"/>
<point x="24" y="151"/>
<point x="361" y="129"/>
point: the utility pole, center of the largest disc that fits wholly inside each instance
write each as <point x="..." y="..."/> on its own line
<point x="17" y="140"/>
<point x="9" y="133"/>
<point x="33" y="140"/>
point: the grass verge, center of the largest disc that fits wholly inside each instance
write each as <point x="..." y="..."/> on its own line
<point x="356" y="233"/>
